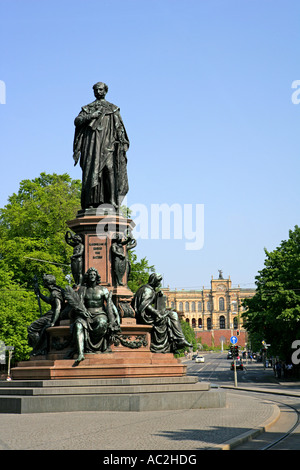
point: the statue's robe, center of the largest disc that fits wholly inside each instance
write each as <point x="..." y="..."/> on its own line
<point x="96" y="142"/>
<point x="166" y="335"/>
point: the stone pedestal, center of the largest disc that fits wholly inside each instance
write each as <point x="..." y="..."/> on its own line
<point x="121" y="394"/>
<point x="98" y="231"/>
<point x="129" y="356"/>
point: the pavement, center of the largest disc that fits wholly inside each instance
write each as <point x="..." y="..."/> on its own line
<point x="182" y="431"/>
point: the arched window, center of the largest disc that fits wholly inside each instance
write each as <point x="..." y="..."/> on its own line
<point x="235" y="323"/>
<point x="193" y="323"/>
<point x="199" y="306"/>
<point x="187" y="307"/>
<point x="222" y="322"/>
<point x="208" y="306"/>
<point x="221" y="304"/>
<point x="180" y="307"/>
<point x="199" y="322"/>
<point x="172" y="305"/>
<point x="209" y="323"/>
<point x="187" y="320"/>
<point x="193" y="307"/>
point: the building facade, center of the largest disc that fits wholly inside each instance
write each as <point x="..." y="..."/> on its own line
<point x="214" y="312"/>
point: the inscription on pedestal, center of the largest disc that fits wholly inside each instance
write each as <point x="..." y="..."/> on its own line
<point x="97" y="256"/>
<point x="97" y="247"/>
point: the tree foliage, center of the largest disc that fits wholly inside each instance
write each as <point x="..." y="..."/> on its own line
<point x="273" y="314"/>
<point x="189" y="335"/>
<point x="140" y="271"/>
<point x="32" y="229"/>
<point x="33" y="225"/>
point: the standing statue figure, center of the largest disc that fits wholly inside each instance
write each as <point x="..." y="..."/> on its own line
<point x="100" y="144"/>
<point x="96" y="318"/>
<point x="76" y="241"/>
<point x="150" y="308"/>
<point x="120" y="259"/>
<point x="37" y="337"/>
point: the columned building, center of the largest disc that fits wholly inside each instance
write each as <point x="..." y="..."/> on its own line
<point x="217" y="308"/>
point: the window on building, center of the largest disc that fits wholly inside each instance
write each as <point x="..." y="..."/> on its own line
<point x="199" y="322"/>
<point x="209" y="323"/>
<point x="193" y="306"/>
<point x="235" y="323"/>
<point x="172" y="305"/>
<point x="180" y="307"/>
<point x="187" y="307"/>
<point x="221" y="304"/>
<point x="208" y="305"/>
<point x="222" y="322"/>
<point x="193" y="323"/>
<point x="199" y="306"/>
<point x="187" y="320"/>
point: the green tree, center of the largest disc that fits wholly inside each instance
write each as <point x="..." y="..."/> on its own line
<point x="140" y="271"/>
<point x="32" y="230"/>
<point x="33" y="225"/>
<point x="273" y="313"/>
<point x="189" y="335"/>
<point x="18" y="308"/>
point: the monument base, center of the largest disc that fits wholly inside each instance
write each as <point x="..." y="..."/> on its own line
<point x="129" y="356"/>
<point x="106" y="365"/>
<point x="126" y="394"/>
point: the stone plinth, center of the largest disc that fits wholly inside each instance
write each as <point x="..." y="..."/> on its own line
<point x="123" y="394"/>
<point x="106" y="365"/>
<point x="98" y="231"/>
<point x="130" y="356"/>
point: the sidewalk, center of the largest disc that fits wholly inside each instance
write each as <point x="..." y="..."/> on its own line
<point x="180" y="430"/>
<point x="184" y="430"/>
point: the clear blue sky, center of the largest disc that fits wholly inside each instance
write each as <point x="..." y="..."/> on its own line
<point x="204" y="88"/>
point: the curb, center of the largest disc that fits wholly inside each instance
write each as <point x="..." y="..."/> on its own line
<point x="287" y="393"/>
<point x="248" y="435"/>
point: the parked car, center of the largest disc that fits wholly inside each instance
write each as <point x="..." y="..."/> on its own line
<point x="200" y="359"/>
<point x="238" y="364"/>
<point x="194" y="356"/>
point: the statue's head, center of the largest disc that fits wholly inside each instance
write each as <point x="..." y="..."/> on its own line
<point x="49" y="280"/>
<point x="155" y="279"/>
<point x="91" y="275"/>
<point x="100" y="89"/>
<point x="78" y="237"/>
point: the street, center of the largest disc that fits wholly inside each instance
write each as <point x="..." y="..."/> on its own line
<point x="216" y="369"/>
<point x="257" y="381"/>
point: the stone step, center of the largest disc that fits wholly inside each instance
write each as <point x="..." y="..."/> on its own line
<point x="187" y="379"/>
<point x="108" y="395"/>
<point x="90" y="390"/>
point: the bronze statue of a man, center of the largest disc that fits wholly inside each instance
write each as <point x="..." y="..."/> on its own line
<point x="100" y="145"/>
<point x="96" y="318"/>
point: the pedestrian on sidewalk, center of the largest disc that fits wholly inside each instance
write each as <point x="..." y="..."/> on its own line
<point x="278" y="369"/>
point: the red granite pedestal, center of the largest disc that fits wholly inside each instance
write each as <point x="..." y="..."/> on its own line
<point x="129" y="357"/>
<point x="98" y="231"/>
